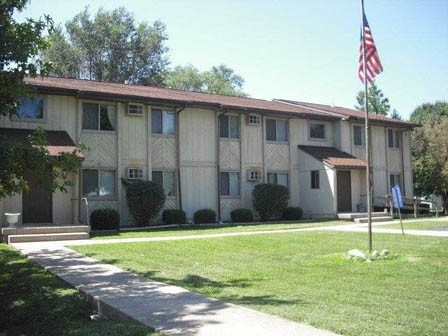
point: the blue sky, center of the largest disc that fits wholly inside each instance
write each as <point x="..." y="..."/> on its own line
<point x="304" y="50"/>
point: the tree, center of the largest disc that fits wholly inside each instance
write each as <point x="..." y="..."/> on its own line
<point x="219" y="80"/>
<point x="376" y="102"/>
<point x="395" y="114"/>
<point x="19" y="44"/>
<point x="429" y="149"/>
<point x="109" y="47"/>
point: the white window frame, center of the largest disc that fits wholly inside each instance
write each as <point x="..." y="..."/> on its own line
<point x="395" y="176"/>
<point x="310" y="123"/>
<point x="232" y="194"/>
<point x="254" y="175"/>
<point x="165" y="112"/>
<point x="98" y="196"/>
<point x="363" y="135"/>
<point x="276" y="173"/>
<point x="98" y="115"/>
<point x="237" y="117"/>
<point x="137" y="107"/>
<point x="286" y="121"/>
<point x="135" y="173"/>
<point x="396" y="139"/>
<point x="164" y="172"/>
<point x="16" y="117"/>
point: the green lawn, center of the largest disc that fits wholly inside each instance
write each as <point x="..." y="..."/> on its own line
<point x="421" y="225"/>
<point x="34" y="302"/>
<point x="304" y="277"/>
<point x="199" y="230"/>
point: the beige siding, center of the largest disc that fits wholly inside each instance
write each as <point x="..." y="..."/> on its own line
<point x="134" y="134"/>
<point x="227" y="205"/>
<point x="229" y="157"/>
<point x="163" y="153"/>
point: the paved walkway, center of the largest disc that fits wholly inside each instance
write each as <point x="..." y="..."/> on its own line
<point x="170" y="309"/>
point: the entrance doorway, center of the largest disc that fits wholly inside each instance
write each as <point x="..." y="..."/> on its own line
<point x="37" y="202"/>
<point x="344" y="193"/>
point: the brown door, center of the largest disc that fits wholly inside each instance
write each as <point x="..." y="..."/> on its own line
<point x="344" y="193"/>
<point x="37" y="202"/>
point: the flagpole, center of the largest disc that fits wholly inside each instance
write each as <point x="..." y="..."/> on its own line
<point x="367" y="137"/>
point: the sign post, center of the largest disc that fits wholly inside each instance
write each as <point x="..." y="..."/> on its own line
<point x="397" y="202"/>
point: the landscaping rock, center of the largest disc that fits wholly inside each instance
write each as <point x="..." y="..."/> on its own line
<point x="356" y="254"/>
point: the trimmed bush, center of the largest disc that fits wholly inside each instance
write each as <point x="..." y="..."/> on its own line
<point x="104" y="219"/>
<point x="145" y="200"/>
<point x="242" y="215"/>
<point x="174" y="216"/>
<point x="205" y="216"/>
<point x="292" y="213"/>
<point x="270" y="200"/>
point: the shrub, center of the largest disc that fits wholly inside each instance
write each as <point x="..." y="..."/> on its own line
<point x="242" y="215"/>
<point x="292" y="213"/>
<point x="104" y="219"/>
<point x="270" y="200"/>
<point x="204" y="216"/>
<point x="174" y="216"/>
<point x="145" y="200"/>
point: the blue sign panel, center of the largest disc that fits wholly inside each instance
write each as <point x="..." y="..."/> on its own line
<point x="396" y="197"/>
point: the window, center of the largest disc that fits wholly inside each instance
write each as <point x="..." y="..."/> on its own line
<point x="135" y="173"/>
<point x="276" y="130"/>
<point x="229" y="127"/>
<point x="31" y="108"/>
<point x="394" y="138"/>
<point x="278" y="178"/>
<point x="317" y="131"/>
<point x="98" y="183"/>
<point x="135" y="109"/>
<point x="101" y="117"/>
<point x="359" y="135"/>
<point x="165" y="179"/>
<point x="162" y="122"/>
<point x="395" y="179"/>
<point x="230" y="183"/>
<point x="254" y="119"/>
<point x="315" y="179"/>
<point x="253" y="175"/>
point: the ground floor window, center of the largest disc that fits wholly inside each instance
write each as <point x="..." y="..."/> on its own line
<point x="315" y="183"/>
<point x="230" y="183"/>
<point x="278" y="178"/>
<point x="165" y="179"/>
<point x="395" y="179"/>
<point x="98" y="183"/>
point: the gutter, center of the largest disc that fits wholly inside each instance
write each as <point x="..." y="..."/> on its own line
<point x="179" y="184"/>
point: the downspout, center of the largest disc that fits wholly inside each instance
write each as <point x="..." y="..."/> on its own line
<point x="220" y="112"/>
<point x="179" y="184"/>
<point x="403" y="192"/>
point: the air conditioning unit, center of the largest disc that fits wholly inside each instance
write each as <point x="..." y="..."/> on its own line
<point x="253" y="119"/>
<point x="135" y="109"/>
<point x="253" y="175"/>
<point x="135" y="174"/>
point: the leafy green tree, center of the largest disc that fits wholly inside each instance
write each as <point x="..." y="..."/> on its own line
<point x="395" y="114"/>
<point x="429" y="149"/>
<point x="19" y="46"/>
<point x="110" y="47"/>
<point x="219" y="80"/>
<point x="376" y="102"/>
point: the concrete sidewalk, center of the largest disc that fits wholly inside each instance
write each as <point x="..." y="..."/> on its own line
<point x="169" y="309"/>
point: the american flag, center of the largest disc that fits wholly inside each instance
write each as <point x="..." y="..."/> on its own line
<point x="373" y="63"/>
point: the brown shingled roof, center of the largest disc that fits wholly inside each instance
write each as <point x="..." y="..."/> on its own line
<point x="155" y="94"/>
<point x="57" y="141"/>
<point x="334" y="157"/>
<point x="350" y="113"/>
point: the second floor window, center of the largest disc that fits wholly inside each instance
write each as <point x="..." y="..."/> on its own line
<point x="393" y="138"/>
<point x="31" y="108"/>
<point x="317" y="131"/>
<point x="276" y="130"/>
<point x="359" y="135"/>
<point x="162" y="122"/>
<point x="100" y="117"/>
<point x="229" y="127"/>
